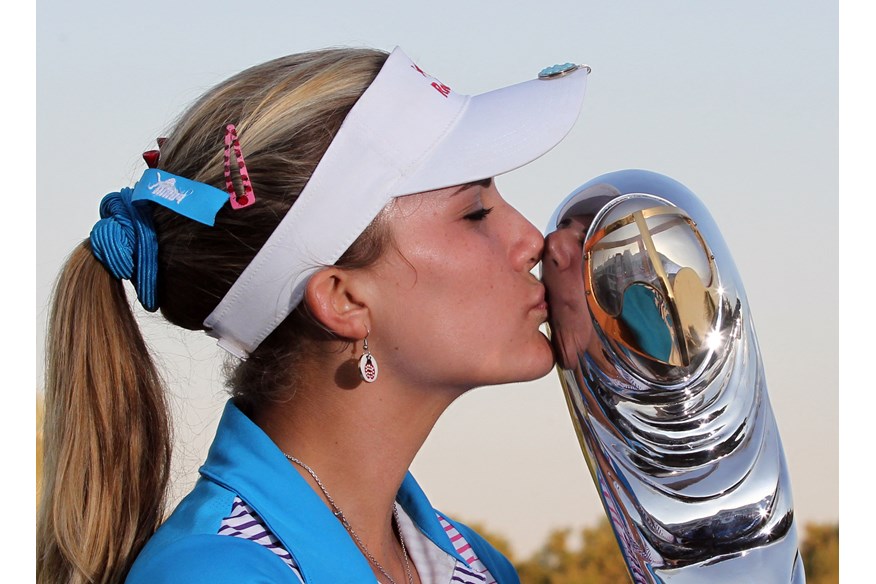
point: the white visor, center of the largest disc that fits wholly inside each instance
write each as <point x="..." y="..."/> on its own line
<point x="407" y="133"/>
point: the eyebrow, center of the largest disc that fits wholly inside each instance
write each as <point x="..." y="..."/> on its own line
<point x="484" y="183"/>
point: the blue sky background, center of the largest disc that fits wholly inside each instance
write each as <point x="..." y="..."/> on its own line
<point x="737" y="100"/>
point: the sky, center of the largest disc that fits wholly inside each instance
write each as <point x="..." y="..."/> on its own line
<point x="737" y="100"/>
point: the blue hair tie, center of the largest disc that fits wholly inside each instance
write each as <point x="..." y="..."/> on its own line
<point x="124" y="241"/>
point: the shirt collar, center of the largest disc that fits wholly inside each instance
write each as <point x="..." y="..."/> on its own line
<point x="246" y="461"/>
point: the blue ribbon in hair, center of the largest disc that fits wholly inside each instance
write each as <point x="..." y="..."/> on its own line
<point x="124" y="241"/>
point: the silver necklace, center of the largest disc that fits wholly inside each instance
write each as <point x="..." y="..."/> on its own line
<point x="340" y="515"/>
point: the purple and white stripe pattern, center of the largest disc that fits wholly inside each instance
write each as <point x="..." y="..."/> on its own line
<point x="466" y="575"/>
<point x="245" y="523"/>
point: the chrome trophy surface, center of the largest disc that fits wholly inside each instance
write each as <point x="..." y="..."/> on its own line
<point x="660" y="366"/>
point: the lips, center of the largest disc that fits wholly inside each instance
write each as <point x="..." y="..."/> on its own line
<point x="540" y="303"/>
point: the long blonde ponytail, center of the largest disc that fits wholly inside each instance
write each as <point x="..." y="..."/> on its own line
<point x="107" y="437"/>
<point x="106" y="431"/>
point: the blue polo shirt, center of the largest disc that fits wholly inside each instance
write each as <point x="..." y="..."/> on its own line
<point x="244" y="462"/>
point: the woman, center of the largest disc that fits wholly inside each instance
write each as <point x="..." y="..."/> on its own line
<point x="366" y="271"/>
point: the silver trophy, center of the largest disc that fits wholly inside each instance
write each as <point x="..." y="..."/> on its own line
<point x="660" y="365"/>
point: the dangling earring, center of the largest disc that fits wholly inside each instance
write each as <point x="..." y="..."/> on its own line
<point x="367" y="363"/>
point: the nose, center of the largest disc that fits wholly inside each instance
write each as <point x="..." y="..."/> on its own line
<point x="528" y="245"/>
<point x="560" y="246"/>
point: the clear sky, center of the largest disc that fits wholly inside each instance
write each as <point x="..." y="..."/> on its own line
<point x="738" y="100"/>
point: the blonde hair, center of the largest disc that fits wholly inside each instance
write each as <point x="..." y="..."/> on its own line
<point x="107" y="435"/>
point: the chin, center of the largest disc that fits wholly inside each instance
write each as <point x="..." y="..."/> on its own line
<point x="520" y="362"/>
<point x="540" y="361"/>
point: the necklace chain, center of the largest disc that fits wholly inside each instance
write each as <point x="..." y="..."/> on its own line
<point x="343" y="519"/>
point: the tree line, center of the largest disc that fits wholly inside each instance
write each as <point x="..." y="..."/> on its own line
<point x="597" y="558"/>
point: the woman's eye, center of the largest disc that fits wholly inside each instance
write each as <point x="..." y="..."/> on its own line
<point x="479" y="215"/>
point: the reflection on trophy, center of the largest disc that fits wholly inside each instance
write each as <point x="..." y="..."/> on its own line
<point x="658" y="359"/>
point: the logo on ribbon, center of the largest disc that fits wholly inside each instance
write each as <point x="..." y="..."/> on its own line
<point x="167" y="189"/>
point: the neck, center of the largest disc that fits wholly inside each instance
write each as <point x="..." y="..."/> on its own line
<point x="360" y="443"/>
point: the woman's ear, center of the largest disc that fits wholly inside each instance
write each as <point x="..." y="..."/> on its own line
<point x="332" y="298"/>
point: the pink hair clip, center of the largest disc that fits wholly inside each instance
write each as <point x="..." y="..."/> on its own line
<point x="248" y="197"/>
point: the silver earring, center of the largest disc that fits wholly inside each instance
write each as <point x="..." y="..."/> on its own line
<point x="367" y="363"/>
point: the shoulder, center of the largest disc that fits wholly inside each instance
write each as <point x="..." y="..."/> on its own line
<point x="211" y="558"/>
<point x="188" y="547"/>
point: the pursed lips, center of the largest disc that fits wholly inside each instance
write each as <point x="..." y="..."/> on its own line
<point x="540" y="303"/>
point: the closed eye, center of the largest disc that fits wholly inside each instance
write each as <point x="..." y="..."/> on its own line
<point x="479" y="215"/>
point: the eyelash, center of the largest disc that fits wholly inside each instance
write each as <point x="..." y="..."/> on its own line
<point x="479" y="215"/>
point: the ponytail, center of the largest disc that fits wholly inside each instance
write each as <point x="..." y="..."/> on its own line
<point x="106" y="431"/>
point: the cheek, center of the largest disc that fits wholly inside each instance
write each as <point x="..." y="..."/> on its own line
<point x="467" y="327"/>
<point x="450" y="298"/>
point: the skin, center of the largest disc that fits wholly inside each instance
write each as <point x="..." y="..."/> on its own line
<point x="571" y="327"/>
<point x="453" y="306"/>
